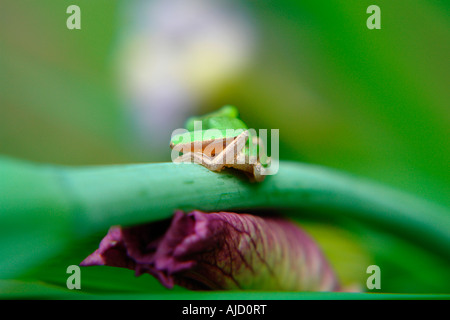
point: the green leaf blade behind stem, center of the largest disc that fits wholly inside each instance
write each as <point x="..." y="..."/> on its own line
<point x="13" y="289"/>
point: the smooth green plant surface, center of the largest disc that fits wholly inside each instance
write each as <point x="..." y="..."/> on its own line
<point x="36" y="290"/>
<point x="53" y="216"/>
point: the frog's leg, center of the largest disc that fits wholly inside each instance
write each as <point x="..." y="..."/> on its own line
<point x="199" y="158"/>
<point x="232" y="152"/>
<point x="251" y="164"/>
<point x="254" y="172"/>
<point x="258" y="171"/>
<point x="242" y="162"/>
<point x="217" y="162"/>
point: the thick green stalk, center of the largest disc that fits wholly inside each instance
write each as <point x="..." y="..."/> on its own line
<point x="73" y="202"/>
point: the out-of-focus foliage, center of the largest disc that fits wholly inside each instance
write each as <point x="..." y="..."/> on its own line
<point x="369" y="102"/>
<point x="372" y="102"/>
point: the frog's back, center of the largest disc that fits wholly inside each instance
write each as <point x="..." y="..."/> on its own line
<point x="226" y="117"/>
<point x="223" y="123"/>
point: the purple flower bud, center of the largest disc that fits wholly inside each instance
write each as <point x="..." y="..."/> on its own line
<point x="219" y="251"/>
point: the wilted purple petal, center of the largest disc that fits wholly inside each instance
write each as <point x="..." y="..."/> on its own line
<point x="219" y="251"/>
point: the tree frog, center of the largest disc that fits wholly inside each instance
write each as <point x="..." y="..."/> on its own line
<point x="221" y="139"/>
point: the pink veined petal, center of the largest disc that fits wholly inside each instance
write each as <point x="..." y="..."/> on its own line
<point x="220" y="251"/>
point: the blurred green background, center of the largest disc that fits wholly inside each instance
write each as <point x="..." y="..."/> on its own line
<point x="374" y="103"/>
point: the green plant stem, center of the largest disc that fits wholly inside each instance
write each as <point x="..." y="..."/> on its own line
<point x="80" y="201"/>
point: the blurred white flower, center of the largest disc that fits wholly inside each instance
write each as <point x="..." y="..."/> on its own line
<point x="172" y="54"/>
